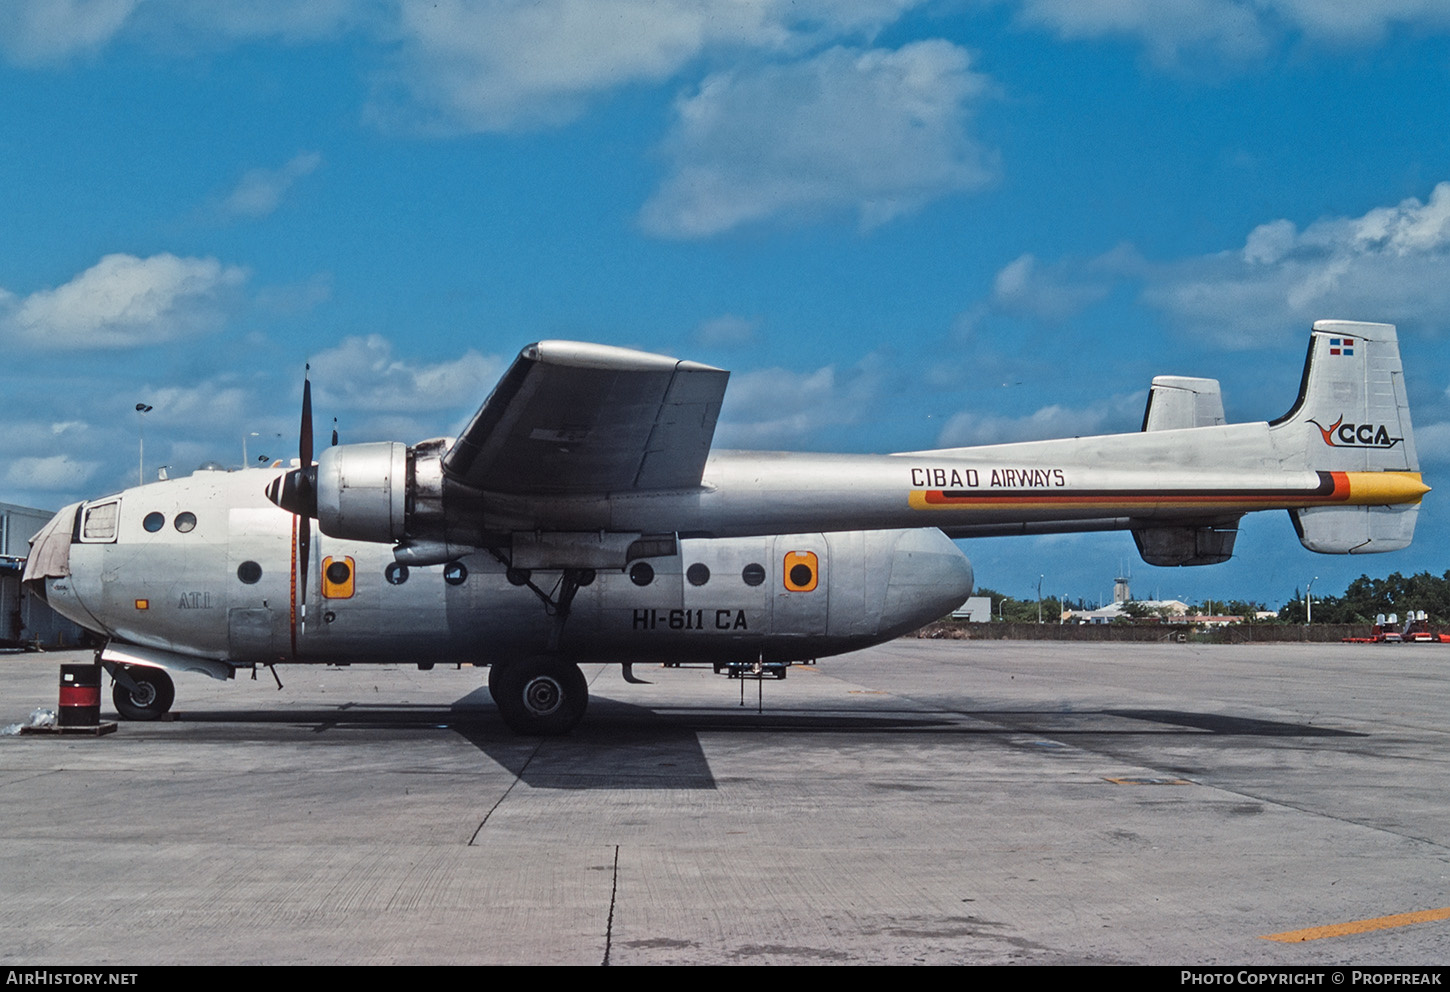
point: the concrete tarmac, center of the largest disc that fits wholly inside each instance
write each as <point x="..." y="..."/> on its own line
<point x="924" y="801"/>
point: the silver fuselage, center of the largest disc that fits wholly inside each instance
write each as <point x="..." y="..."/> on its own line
<point x="230" y="589"/>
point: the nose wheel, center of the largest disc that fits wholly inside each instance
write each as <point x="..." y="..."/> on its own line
<point x="148" y="696"/>
<point x="540" y="696"/>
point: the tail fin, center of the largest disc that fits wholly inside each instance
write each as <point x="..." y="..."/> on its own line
<point x="1352" y="415"/>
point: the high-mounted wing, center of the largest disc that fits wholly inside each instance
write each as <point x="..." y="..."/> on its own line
<point x="574" y="419"/>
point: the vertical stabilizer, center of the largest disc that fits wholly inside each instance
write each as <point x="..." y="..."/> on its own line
<point x="1352" y="415"/>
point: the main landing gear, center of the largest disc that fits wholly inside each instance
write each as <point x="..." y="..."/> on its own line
<point x="142" y="693"/>
<point x="540" y="696"/>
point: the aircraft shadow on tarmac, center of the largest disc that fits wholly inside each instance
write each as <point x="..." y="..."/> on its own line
<point x="1217" y="723"/>
<point x="627" y="746"/>
<point x="1101" y="723"/>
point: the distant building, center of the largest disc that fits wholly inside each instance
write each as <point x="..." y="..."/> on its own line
<point x="978" y="609"/>
<point x="1172" y="610"/>
<point x="1207" y="620"/>
<point x="18" y="524"/>
<point x="27" y="620"/>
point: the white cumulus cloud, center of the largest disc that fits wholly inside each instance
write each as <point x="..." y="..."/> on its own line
<point x="1357" y="20"/>
<point x="260" y="191"/>
<point x="727" y="331"/>
<point x="245" y="20"/>
<point x="212" y="403"/>
<point x="1234" y="28"/>
<point x="1025" y="287"/>
<point x="497" y="66"/>
<point x="776" y="407"/>
<point x="876" y="132"/>
<point x="1389" y="264"/>
<point x="34" y="32"/>
<point x="124" y="301"/>
<point x="1048" y="293"/>
<point x="1166" y="27"/>
<point x="362" y="373"/>
<point x="47" y="32"/>
<point x="1119" y="413"/>
<point x="51" y="473"/>
<point x="519" y="64"/>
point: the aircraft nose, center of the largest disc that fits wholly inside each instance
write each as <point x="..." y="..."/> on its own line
<point x="50" y="551"/>
<point x="930" y="577"/>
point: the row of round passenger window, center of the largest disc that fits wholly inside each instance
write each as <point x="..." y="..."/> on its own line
<point x="185" y="522"/>
<point x="641" y="573"/>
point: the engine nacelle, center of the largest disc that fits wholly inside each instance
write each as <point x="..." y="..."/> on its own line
<point x="362" y="491"/>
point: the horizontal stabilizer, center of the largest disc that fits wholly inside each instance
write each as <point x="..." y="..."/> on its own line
<point x="1178" y="401"/>
<point x="1356" y="530"/>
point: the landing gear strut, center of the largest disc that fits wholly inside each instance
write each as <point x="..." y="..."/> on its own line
<point x="539" y="696"/>
<point x="148" y="696"/>
<point x="556" y="604"/>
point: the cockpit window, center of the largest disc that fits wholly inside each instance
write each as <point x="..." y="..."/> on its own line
<point x="98" y="523"/>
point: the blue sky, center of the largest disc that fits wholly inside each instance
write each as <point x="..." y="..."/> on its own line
<point x="900" y="224"/>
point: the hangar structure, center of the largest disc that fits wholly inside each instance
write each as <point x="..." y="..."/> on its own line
<point x="26" y="620"/>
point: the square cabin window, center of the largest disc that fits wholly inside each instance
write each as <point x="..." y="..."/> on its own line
<point x="99" y="522"/>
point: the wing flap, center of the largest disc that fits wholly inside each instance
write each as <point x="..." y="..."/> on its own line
<point x="575" y="419"/>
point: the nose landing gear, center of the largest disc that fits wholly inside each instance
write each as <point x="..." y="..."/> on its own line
<point x="141" y="693"/>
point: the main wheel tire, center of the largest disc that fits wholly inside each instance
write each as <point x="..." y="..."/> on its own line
<point x="540" y="696"/>
<point x="152" y="698"/>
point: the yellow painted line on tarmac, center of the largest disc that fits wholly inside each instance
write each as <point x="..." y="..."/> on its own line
<point x="1359" y="926"/>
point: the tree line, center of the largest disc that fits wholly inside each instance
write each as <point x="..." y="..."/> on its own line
<point x="1366" y="597"/>
<point x="1361" y="602"/>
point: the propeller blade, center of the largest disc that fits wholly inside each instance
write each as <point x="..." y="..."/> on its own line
<point x="305" y="445"/>
<point x="304" y="558"/>
<point x="307" y="490"/>
<point x="296" y="491"/>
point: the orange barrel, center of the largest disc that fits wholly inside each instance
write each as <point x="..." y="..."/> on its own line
<point x="80" y="695"/>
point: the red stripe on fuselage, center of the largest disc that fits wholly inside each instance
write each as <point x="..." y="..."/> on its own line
<point x="1333" y="488"/>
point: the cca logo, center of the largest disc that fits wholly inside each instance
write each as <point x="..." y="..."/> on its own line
<point x="1342" y="435"/>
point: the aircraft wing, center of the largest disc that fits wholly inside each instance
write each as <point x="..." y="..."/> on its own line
<point x="574" y="419"/>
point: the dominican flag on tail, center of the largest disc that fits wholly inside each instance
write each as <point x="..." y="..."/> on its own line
<point x="1341" y="346"/>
